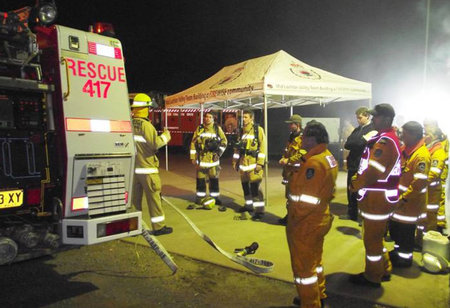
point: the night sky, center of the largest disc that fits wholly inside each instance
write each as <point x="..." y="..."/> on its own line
<point x="171" y="45"/>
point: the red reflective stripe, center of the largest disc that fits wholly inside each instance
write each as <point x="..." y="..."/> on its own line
<point x="78" y="125"/>
<point x="117" y="53"/>
<point x="92" y="48"/>
<point x="84" y="125"/>
<point x="120" y="126"/>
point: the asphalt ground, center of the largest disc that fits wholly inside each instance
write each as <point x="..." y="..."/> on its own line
<point x="343" y="248"/>
<point x="120" y="274"/>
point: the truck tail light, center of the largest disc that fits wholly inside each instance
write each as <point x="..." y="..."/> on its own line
<point x="126" y="197"/>
<point x="80" y="203"/>
<point x="117" y="227"/>
<point x="33" y="196"/>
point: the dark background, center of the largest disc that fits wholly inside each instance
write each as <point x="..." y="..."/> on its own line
<point x="170" y="45"/>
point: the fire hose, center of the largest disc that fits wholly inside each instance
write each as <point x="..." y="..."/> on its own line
<point x="158" y="248"/>
<point x="257" y="266"/>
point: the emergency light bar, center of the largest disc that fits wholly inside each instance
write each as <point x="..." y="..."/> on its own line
<point x="104" y="50"/>
<point x="94" y="125"/>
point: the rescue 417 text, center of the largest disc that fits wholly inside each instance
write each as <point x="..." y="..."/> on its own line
<point x="106" y="74"/>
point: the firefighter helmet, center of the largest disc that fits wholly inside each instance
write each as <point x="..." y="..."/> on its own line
<point x="142" y="100"/>
<point x="208" y="203"/>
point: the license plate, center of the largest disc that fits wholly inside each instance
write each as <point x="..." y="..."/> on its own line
<point x="11" y="198"/>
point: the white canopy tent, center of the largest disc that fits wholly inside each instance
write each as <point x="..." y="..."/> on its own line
<point x="273" y="81"/>
<point x="280" y="78"/>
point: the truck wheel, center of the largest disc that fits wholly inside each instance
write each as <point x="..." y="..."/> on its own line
<point x="8" y="250"/>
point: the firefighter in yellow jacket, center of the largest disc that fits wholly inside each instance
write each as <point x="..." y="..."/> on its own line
<point x="249" y="158"/>
<point x="147" y="182"/>
<point x="377" y="182"/>
<point x="207" y="146"/>
<point x="292" y="154"/>
<point x="435" y="219"/>
<point x="311" y="188"/>
<point x="430" y="125"/>
<point x="441" y="218"/>
<point x="413" y="198"/>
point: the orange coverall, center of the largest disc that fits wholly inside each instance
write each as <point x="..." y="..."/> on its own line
<point x="377" y="204"/>
<point x="311" y="188"/>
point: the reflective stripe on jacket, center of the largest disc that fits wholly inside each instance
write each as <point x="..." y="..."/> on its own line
<point x="198" y="150"/>
<point x="413" y="184"/>
<point x="253" y="145"/>
<point x="312" y="186"/>
<point x="147" y="143"/>
<point x="438" y="158"/>
<point x="379" y="173"/>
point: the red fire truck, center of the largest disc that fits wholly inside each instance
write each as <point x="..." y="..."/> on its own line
<point x="182" y="122"/>
<point x="67" y="151"/>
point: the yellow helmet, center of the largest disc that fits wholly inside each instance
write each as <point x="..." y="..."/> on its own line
<point x="208" y="203"/>
<point x="141" y="100"/>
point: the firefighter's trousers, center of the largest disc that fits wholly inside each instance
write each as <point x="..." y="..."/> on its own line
<point x="254" y="198"/>
<point x="378" y="263"/>
<point x="147" y="198"/>
<point x="404" y="236"/>
<point x="212" y="174"/>
<point x="352" y="209"/>
<point x="441" y="218"/>
<point x="435" y="209"/>
<point x="305" y="236"/>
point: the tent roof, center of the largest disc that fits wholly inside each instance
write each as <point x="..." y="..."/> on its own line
<point x="284" y="80"/>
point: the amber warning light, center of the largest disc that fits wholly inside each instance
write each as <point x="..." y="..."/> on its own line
<point x="103" y="28"/>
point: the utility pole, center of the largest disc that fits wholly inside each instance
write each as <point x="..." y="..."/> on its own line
<point x="425" y="60"/>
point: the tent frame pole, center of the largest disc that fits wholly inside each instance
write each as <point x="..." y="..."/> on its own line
<point x="201" y="113"/>
<point x="266" y="165"/>
<point x="167" y="145"/>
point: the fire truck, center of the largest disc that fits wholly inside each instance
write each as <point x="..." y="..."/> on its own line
<point x="182" y="122"/>
<point x="67" y="152"/>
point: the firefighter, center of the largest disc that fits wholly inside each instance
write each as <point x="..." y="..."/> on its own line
<point x="356" y="143"/>
<point x="311" y="188"/>
<point x="249" y="158"/>
<point x="292" y="154"/>
<point x="207" y="146"/>
<point x="435" y="216"/>
<point x="413" y="199"/>
<point x="377" y="182"/>
<point x="147" y="182"/>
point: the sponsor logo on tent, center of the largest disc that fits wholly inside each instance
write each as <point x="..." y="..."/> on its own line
<point x="303" y="72"/>
<point x="233" y="76"/>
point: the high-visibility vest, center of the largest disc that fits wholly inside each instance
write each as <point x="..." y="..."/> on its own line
<point x="389" y="182"/>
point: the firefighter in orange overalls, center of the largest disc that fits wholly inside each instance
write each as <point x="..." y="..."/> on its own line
<point x="435" y="219"/>
<point x="292" y="154"/>
<point x="377" y="182"/>
<point x="311" y="188"/>
<point x="146" y="180"/>
<point x="413" y="198"/>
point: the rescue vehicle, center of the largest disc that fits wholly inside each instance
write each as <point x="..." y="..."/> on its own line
<point x="182" y="122"/>
<point x="67" y="152"/>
